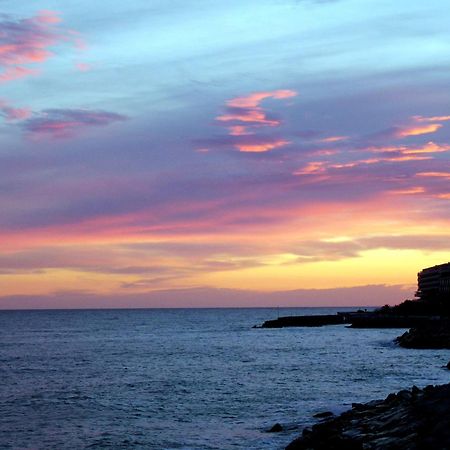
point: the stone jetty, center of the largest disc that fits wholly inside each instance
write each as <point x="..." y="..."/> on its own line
<point x="304" y="321"/>
<point x="356" y="319"/>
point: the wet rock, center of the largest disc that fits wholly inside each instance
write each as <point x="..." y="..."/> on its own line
<point x="411" y="419"/>
<point x="436" y="336"/>
<point x="448" y="365"/>
<point x="276" y="428"/>
<point x="415" y="390"/>
<point x="323" y="415"/>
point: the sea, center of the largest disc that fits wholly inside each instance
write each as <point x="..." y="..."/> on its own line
<point x="188" y="378"/>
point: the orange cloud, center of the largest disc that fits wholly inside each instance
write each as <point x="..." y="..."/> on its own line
<point x="312" y="167"/>
<point x="409" y="191"/>
<point x="429" y="147"/>
<point x="445" y="175"/>
<point x="320" y="167"/>
<point x="239" y="130"/>
<point x="431" y="119"/>
<point x="416" y="130"/>
<point x="332" y="139"/>
<point x="261" y="147"/>
<point x="407" y="158"/>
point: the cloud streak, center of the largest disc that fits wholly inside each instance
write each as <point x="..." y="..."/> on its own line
<point x="65" y="123"/>
<point x="27" y="43"/>
<point x="10" y="113"/>
<point x="246" y="116"/>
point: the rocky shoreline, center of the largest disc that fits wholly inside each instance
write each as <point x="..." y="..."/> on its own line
<point x="427" y="337"/>
<point x="412" y="419"/>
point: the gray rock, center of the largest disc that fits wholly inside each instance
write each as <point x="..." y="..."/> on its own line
<point x="409" y="420"/>
<point x="323" y="415"/>
<point x="276" y="428"/>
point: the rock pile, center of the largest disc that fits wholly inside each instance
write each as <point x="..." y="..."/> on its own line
<point x="426" y="337"/>
<point x="409" y="420"/>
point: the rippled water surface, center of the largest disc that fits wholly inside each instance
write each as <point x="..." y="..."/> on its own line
<point x="187" y="379"/>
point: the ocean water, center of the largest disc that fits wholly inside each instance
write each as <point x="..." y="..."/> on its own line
<point x="186" y="378"/>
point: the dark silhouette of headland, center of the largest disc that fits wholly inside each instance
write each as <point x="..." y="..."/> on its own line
<point x="430" y="309"/>
<point x="412" y="419"/>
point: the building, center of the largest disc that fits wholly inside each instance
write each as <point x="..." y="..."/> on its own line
<point x="433" y="283"/>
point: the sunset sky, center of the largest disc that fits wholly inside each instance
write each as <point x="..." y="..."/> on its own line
<point x="205" y="153"/>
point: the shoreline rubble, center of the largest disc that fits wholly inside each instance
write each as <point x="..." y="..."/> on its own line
<point x="412" y="419"/>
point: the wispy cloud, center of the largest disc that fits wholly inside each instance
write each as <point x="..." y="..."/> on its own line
<point x="261" y="145"/>
<point x="246" y="116"/>
<point x="27" y="43"/>
<point x="431" y="119"/>
<point x="417" y="126"/>
<point x="416" y="130"/>
<point x="11" y="113"/>
<point x="63" y="123"/>
<point x="323" y="250"/>
<point x="443" y="175"/>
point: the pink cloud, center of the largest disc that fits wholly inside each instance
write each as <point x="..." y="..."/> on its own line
<point x="15" y="73"/>
<point x="244" y="116"/>
<point x="29" y="41"/>
<point x="249" y="117"/>
<point x="11" y="113"/>
<point x="253" y="100"/>
<point x="63" y="123"/>
<point x="261" y="146"/>
<point x="247" y="110"/>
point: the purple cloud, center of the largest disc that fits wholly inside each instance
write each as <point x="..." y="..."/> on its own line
<point x="11" y="113"/>
<point x="63" y="123"/>
<point x="26" y="42"/>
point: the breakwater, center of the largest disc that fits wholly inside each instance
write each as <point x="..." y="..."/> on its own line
<point x="354" y="320"/>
